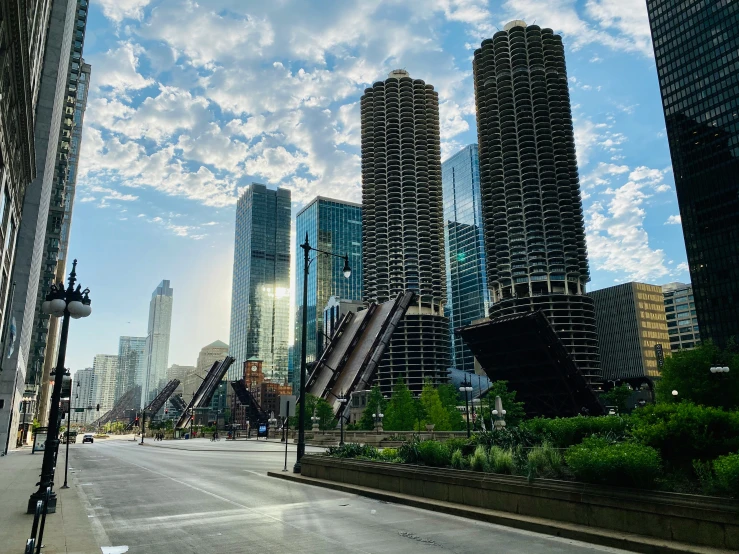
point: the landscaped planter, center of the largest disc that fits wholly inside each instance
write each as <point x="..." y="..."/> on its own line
<point x="684" y="518"/>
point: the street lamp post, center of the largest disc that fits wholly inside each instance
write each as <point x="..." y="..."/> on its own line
<point x="66" y="454"/>
<point x="466" y="388"/>
<point x="69" y="303"/>
<point x="304" y="338"/>
<point x="342" y="400"/>
<point x="719" y="369"/>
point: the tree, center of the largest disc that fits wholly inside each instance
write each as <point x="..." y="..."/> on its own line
<point x="688" y="373"/>
<point x="450" y="399"/>
<point x="618" y="397"/>
<point x="325" y="415"/>
<point x="367" y="422"/>
<point x="436" y="413"/>
<point x="310" y="406"/>
<point x="400" y="413"/>
<point x="515" y="411"/>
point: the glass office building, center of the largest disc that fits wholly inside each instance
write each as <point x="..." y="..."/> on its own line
<point x="466" y="283"/>
<point x="260" y="300"/>
<point x="682" y="320"/>
<point x="696" y="47"/>
<point x="131" y="364"/>
<point x="332" y="226"/>
<point x="157" y="341"/>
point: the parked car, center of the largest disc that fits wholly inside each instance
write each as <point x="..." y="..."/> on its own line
<point x="72" y="437"/>
<point x="87" y="438"/>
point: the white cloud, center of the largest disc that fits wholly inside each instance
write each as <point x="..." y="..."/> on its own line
<point x="118" y="10"/>
<point x="674" y="220"/>
<point x="118" y="69"/>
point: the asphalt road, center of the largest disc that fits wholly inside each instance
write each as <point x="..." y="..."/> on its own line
<point x="170" y="500"/>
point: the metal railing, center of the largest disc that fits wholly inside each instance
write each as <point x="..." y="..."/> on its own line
<point x="34" y="544"/>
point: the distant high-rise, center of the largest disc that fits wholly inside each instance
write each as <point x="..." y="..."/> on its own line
<point x="157" y="341"/>
<point x="83" y="396"/>
<point x="105" y="368"/>
<point x="682" y="320"/>
<point x="260" y="300"/>
<point x="131" y="364"/>
<point x="630" y="320"/>
<point x="332" y="226"/>
<point x="214" y="352"/>
<point x="403" y="226"/>
<point x="695" y="45"/>
<point x="466" y="281"/>
<point x="534" y="232"/>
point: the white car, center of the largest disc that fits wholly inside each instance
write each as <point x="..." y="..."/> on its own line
<point x="87" y="438"/>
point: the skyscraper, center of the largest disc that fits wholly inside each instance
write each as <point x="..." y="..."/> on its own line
<point x="157" y="341"/>
<point x="695" y="45"/>
<point x="682" y="320"/>
<point x="214" y="352"/>
<point x="260" y="300"/>
<point x="332" y="226"/>
<point x="132" y="360"/>
<point x="83" y="395"/>
<point x="402" y="224"/>
<point x="38" y="41"/>
<point x="105" y="368"/>
<point x="630" y="319"/>
<point x="531" y="206"/>
<point x="466" y="281"/>
<point x="56" y="241"/>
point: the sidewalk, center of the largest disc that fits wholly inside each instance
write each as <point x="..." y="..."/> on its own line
<point x="68" y="530"/>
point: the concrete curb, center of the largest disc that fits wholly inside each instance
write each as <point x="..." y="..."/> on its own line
<point x="602" y="537"/>
<point x="216" y="449"/>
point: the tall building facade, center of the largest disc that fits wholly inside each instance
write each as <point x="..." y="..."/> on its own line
<point x="157" y="341"/>
<point x="695" y="47"/>
<point x="53" y="266"/>
<point x="105" y="368"/>
<point x="83" y="396"/>
<point x="183" y="373"/>
<point x="631" y="322"/>
<point x="403" y="226"/>
<point x="214" y="352"/>
<point x="34" y="63"/>
<point x="131" y="364"/>
<point x="682" y="320"/>
<point x="260" y="300"/>
<point x="332" y="226"/>
<point x="535" y="247"/>
<point x="464" y="242"/>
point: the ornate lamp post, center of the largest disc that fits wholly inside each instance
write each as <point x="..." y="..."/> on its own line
<point x="67" y="303"/>
<point x="466" y="388"/>
<point x="307" y="248"/>
<point x="719" y="369"/>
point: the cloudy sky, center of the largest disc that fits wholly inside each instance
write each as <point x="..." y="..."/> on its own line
<point x="192" y="101"/>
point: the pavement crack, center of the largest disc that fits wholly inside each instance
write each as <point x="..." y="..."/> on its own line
<point x="411" y="536"/>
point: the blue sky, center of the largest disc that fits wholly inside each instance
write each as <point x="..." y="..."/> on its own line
<point x="191" y="101"/>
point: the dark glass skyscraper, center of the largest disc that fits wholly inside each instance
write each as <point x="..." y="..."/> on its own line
<point x="696" y="47"/>
<point x="466" y="281"/>
<point x="403" y="225"/>
<point x="260" y="300"/>
<point x="332" y="226"/>
<point x="534" y="231"/>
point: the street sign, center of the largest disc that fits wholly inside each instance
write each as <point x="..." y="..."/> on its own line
<point x="79" y="409"/>
<point x="284" y="399"/>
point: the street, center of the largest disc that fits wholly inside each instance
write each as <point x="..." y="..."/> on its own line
<point x="163" y="498"/>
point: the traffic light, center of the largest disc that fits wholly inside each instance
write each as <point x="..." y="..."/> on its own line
<point x="166" y="411"/>
<point x="192" y="418"/>
<point x="98" y="408"/>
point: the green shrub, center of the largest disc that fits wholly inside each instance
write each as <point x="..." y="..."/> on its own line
<point x="353" y="450"/>
<point x="501" y="460"/>
<point x="685" y="432"/>
<point x="564" y="432"/>
<point x="467" y="446"/>
<point x="727" y="473"/>
<point x="479" y="459"/>
<point x="536" y="462"/>
<point x="507" y="437"/>
<point x="544" y="461"/>
<point x="457" y="461"/>
<point x="706" y="477"/>
<point x="622" y="464"/>
<point x="389" y="454"/>
<point x="434" y="453"/>
<point x="409" y="451"/>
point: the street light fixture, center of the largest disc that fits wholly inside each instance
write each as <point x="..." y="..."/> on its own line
<point x="66" y="303"/>
<point x="719" y="369"/>
<point x="466" y="388"/>
<point x="674" y="393"/>
<point x="307" y="248"/>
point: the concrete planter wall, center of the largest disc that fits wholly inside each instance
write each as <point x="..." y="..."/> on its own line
<point x="684" y="518"/>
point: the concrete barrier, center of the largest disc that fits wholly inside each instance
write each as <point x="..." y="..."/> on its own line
<point x="691" y="519"/>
